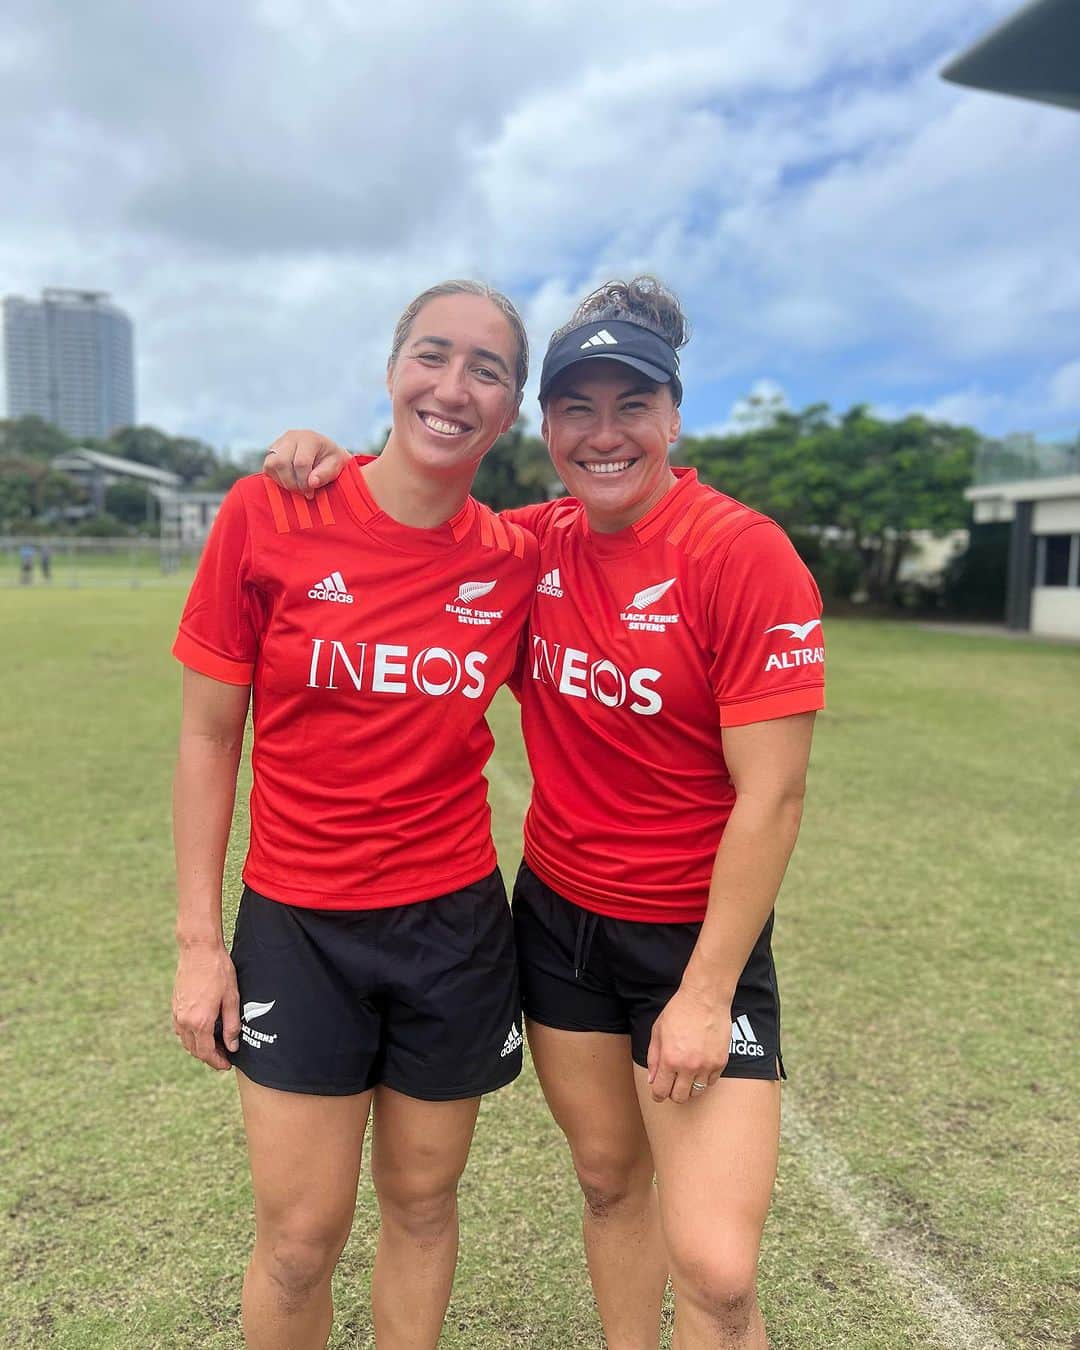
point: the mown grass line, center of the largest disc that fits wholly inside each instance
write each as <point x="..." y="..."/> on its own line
<point x="923" y="943"/>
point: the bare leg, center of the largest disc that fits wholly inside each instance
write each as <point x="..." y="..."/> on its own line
<point x="715" y="1167"/>
<point x="418" y="1155"/>
<point x="305" y="1156"/>
<point x="588" y="1081"/>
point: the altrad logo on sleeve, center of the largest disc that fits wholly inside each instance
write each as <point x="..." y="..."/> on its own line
<point x="796" y="657"/>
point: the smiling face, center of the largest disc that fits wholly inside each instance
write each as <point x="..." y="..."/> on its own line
<point x="452" y="386"/>
<point x="608" y="430"/>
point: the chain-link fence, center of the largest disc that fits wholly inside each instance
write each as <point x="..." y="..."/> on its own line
<point x="43" y="560"/>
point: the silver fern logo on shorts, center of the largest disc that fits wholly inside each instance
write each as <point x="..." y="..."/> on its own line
<point x="256" y="1039"/>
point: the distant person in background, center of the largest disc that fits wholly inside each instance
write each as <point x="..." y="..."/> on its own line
<point x="45" y="561"/>
<point x="26" y="564"/>
<point x="672" y="670"/>
<point x="373" y="968"/>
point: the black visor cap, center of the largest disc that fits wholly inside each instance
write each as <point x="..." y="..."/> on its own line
<point x="613" y="340"/>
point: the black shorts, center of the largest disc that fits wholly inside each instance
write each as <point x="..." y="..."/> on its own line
<point x="582" y="971"/>
<point x="422" y="998"/>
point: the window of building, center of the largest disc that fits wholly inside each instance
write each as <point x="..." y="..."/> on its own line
<point x="1057" y="560"/>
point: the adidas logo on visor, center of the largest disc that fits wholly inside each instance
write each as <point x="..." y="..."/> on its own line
<point x="601" y="339"/>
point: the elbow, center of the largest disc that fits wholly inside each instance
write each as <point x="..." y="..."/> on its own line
<point x="778" y="810"/>
<point x="225" y="743"/>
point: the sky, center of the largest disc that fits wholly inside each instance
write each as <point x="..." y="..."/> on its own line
<point x="264" y="185"/>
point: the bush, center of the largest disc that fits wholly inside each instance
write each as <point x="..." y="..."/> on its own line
<point x="975" y="582"/>
<point x="102" y="527"/>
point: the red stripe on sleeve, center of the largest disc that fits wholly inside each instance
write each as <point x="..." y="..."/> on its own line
<point x="487" y="537"/>
<point x="680" y="529"/>
<point x="502" y="537"/>
<point x="276" y="496"/>
<point x="702" y="544"/>
<point x="199" y="658"/>
<point x="785" y="704"/>
<point x="303" y="512"/>
<point x="322" y="501"/>
<point x="706" y="526"/>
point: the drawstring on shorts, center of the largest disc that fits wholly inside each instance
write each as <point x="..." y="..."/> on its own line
<point x="586" y="929"/>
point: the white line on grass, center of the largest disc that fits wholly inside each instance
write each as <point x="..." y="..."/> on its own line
<point x="960" y="1326"/>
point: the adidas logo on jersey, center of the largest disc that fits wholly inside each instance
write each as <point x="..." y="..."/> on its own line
<point x="331" y="588"/>
<point x="256" y="1039"/>
<point x="463" y="604"/>
<point x="743" y="1040"/>
<point x="649" y="623"/>
<point x="795" y="657"/>
<point x="513" y="1041"/>
<point x="601" y="339"/>
<point x="550" y="584"/>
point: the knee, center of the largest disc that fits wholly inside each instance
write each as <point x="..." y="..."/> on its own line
<point x="610" y="1181"/>
<point x="422" y="1212"/>
<point x="721" y="1284"/>
<point x="298" y="1258"/>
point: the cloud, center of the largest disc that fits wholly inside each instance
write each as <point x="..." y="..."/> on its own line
<point x="263" y="186"/>
<point x="1065" y="387"/>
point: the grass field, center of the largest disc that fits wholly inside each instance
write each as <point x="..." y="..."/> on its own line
<point x="925" y="939"/>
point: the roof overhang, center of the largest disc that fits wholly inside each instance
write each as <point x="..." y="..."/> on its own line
<point x="1034" y="54"/>
<point x="1026" y="490"/>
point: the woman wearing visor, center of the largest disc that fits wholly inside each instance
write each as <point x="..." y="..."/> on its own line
<point x="672" y="671"/>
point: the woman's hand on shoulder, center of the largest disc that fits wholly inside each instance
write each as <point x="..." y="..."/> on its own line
<point x="302" y="461"/>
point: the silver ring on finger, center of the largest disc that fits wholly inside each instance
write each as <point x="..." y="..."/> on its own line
<point x="695" y="1086"/>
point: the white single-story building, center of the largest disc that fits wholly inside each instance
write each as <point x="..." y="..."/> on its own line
<point x="97" y="471"/>
<point x="1043" y="593"/>
<point x="186" y="517"/>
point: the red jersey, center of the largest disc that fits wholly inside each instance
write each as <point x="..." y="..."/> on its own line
<point x="373" y="650"/>
<point x="642" y="645"/>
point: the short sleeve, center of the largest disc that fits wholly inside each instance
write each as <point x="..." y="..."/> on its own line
<point x="219" y="628"/>
<point x="769" y="650"/>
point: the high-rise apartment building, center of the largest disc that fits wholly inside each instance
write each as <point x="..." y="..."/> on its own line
<point x="68" y="358"/>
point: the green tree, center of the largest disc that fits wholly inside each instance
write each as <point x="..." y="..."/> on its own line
<point x="226" y="472"/>
<point x="33" y="438"/>
<point x="30" y="490"/>
<point x="191" y="459"/>
<point x="515" y="471"/>
<point x="131" y="502"/>
<point x="860" y="483"/>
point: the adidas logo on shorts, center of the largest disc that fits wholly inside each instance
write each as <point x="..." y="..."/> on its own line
<point x="743" y="1040"/>
<point x="513" y="1041"/>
